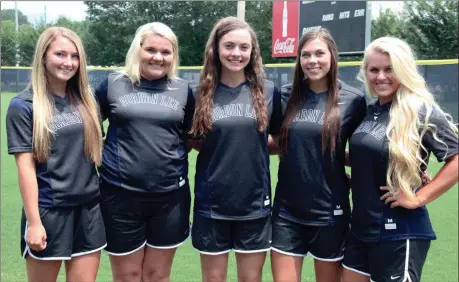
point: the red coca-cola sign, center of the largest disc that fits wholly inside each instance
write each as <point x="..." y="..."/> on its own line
<point x="285" y="28"/>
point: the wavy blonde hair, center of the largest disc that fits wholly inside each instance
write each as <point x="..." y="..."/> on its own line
<point x="79" y="95"/>
<point x="132" y="63"/>
<point x="407" y="126"/>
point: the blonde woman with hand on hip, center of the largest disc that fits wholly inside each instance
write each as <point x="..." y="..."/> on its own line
<point x="390" y="231"/>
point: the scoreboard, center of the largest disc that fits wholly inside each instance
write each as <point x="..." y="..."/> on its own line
<point x="349" y="22"/>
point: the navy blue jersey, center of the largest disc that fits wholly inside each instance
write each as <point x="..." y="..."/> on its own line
<point x="67" y="178"/>
<point x="312" y="187"/>
<point x="144" y="150"/>
<point x="232" y="171"/>
<point x="372" y="220"/>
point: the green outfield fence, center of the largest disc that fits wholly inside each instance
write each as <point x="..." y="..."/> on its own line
<point x="441" y="77"/>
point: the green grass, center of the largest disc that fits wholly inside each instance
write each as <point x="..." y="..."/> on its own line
<point x="441" y="264"/>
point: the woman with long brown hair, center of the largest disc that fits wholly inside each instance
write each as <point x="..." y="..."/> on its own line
<point x="236" y="109"/>
<point x="311" y="207"/>
<point x="53" y="130"/>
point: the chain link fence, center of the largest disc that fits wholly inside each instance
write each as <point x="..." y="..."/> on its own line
<point x="441" y="77"/>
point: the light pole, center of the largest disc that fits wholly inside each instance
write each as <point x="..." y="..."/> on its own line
<point x="17" y="31"/>
<point x="17" y="43"/>
<point x="241" y="10"/>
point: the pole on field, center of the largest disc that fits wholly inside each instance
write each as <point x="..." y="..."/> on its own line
<point x="16" y="19"/>
<point x="241" y="10"/>
<point x="368" y="19"/>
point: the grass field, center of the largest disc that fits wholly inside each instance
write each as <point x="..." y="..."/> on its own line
<point x="441" y="264"/>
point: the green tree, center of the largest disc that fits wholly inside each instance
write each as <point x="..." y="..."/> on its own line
<point x="8" y="43"/>
<point x="79" y="27"/>
<point x="433" y="28"/>
<point x="28" y="37"/>
<point x="112" y="26"/>
<point x="110" y="31"/>
<point x="388" y="24"/>
<point x="9" y="15"/>
<point x="429" y="27"/>
<point x="259" y="16"/>
<point x="193" y="23"/>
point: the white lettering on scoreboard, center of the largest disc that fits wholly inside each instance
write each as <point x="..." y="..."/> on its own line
<point x="310" y="28"/>
<point x="359" y="13"/>
<point x="344" y="15"/>
<point x="327" y="17"/>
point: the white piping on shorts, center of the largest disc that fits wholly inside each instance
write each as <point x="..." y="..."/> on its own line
<point x="27" y="249"/>
<point x="169" y="247"/>
<point x="89" y="252"/>
<point x="127" y="253"/>
<point x="407" y="258"/>
<point x="322" y="259"/>
<point x="287" y="253"/>
<point x="355" y="270"/>
<point x="213" y="254"/>
<point x="251" y="251"/>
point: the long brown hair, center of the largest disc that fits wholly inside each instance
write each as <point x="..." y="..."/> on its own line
<point x="211" y="75"/>
<point x="298" y="94"/>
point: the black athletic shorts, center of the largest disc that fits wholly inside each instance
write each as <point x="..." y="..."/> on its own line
<point x="70" y="232"/>
<point x="215" y="236"/>
<point x="325" y="243"/>
<point x="394" y="261"/>
<point x="133" y="220"/>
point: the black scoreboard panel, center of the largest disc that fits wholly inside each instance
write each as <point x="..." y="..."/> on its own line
<point x="344" y="19"/>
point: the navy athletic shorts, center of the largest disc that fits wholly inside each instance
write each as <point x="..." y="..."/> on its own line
<point x="70" y="231"/>
<point x="325" y="243"/>
<point x="133" y="220"/>
<point x="215" y="236"/>
<point x="396" y="261"/>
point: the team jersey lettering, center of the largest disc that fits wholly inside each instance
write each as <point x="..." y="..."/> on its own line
<point x="373" y="128"/>
<point x="309" y="115"/>
<point x="146" y="98"/>
<point x="233" y="110"/>
<point x="66" y="119"/>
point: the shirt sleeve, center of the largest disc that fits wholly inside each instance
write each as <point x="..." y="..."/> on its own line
<point x="19" y="126"/>
<point x="102" y="102"/>
<point x="189" y="110"/>
<point x="276" y="117"/>
<point x="101" y="97"/>
<point x="359" y="111"/>
<point x="446" y="143"/>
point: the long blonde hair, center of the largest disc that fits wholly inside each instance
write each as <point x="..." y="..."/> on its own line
<point x="407" y="125"/>
<point x="79" y="95"/>
<point x="132" y="63"/>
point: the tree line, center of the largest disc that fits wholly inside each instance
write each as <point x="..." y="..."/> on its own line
<point x="430" y="27"/>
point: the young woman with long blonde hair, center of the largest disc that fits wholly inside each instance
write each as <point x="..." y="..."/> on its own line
<point x="390" y="231"/>
<point x="53" y="130"/>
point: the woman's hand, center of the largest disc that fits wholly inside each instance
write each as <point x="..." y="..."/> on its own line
<point x="36" y="237"/>
<point x="400" y="199"/>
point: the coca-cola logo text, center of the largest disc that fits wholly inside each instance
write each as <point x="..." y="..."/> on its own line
<point x="284" y="47"/>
